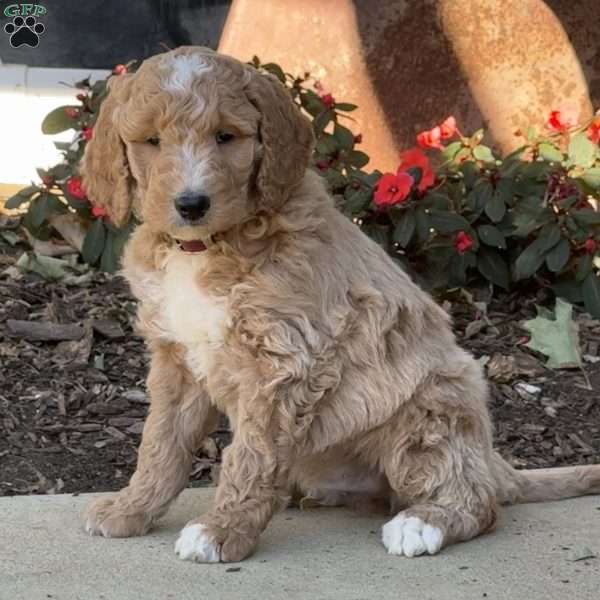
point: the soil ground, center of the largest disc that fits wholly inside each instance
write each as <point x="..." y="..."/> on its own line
<point x="71" y="412"/>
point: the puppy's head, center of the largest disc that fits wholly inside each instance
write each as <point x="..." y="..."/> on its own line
<point x="195" y="142"/>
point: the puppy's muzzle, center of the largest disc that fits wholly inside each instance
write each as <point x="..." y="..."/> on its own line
<point x="192" y="206"/>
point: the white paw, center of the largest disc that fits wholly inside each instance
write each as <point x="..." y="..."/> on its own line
<point x="92" y="528"/>
<point x="194" y="544"/>
<point x="410" y="536"/>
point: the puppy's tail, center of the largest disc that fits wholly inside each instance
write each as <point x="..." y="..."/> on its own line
<point x="542" y="485"/>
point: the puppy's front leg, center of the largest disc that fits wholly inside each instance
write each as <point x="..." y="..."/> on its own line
<point x="180" y="418"/>
<point x="251" y="488"/>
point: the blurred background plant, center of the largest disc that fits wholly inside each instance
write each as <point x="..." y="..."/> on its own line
<point x="454" y="214"/>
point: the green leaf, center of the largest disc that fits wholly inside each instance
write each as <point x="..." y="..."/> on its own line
<point x="557" y="338"/>
<point x="491" y="236"/>
<point x="276" y="70"/>
<point x="581" y="151"/>
<point x="438" y="201"/>
<point x="495" y="208"/>
<point x="584" y="268"/>
<point x="451" y="150"/>
<point x="327" y="144"/>
<point x="480" y="196"/>
<point x="48" y="267"/>
<point x="311" y="103"/>
<point x="11" y="237"/>
<point x="558" y="257"/>
<point x="345" y="106"/>
<point x="369" y="179"/>
<point x="549" y="236"/>
<point x="335" y="179"/>
<point x="21" y="197"/>
<point x="550" y="153"/>
<point x="586" y="217"/>
<point x="530" y="214"/>
<point x="448" y="222"/>
<point x="423" y="225"/>
<point x="592" y="177"/>
<point x="483" y="153"/>
<point x="120" y="237"/>
<point x="532" y="258"/>
<point x="470" y="172"/>
<point x="93" y="243"/>
<point x="405" y="228"/>
<point x="61" y="171"/>
<point x="357" y="158"/>
<point x="44" y="207"/>
<point x="37" y="210"/>
<point x="378" y="233"/>
<point x="57" y="121"/>
<point x="322" y="120"/>
<point x="512" y="163"/>
<point x="343" y="136"/>
<point x="591" y="294"/>
<point x="109" y="260"/>
<point x="493" y="267"/>
<point x="531" y="133"/>
<point x="358" y="200"/>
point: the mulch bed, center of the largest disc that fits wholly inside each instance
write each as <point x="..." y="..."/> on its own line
<point x="72" y="407"/>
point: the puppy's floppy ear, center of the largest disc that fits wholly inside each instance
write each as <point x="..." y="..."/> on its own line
<point x="105" y="171"/>
<point x="287" y="139"/>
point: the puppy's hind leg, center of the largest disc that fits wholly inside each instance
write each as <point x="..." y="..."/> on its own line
<point x="179" y="419"/>
<point x="443" y="477"/>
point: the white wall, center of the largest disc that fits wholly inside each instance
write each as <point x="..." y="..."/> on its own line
<point x="26" y="96"/>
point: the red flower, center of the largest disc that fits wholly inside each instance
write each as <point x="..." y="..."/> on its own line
<point x="561" y="120"/>
<point x="75" y="187"/>
<point x="71" y="112"/>
<point x="119" y="70"/>
<point x="87" y="133"/>
<point x="416" y="158"/>
<point x="463" y="242"/>
<point x="328" y="100"/>
<point x="593" y="131"/>
<point x="323" y="165"/>
<point x="432" y="138"/>
<point x="590" y="246"/>
<point x="448" y="128"/>
<point x="392" y="189"/>
<point x="99" y="211"/>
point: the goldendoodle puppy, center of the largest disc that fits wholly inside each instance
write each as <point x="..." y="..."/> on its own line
<point x="341" y="378"/>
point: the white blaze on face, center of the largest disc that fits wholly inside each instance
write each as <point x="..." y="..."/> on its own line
<point x="182" y="70"/>
<point x="195" y="167"/>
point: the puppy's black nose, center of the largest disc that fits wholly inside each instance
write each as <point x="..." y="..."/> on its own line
<point x="192" y="206"/>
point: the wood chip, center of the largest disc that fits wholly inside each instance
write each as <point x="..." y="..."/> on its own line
<point x="108" y="328"/>
<point x="44" y="331"/>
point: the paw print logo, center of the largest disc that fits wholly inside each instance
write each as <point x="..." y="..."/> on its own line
<point x="24" y="32"/>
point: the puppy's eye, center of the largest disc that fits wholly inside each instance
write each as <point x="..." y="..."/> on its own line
<point x="223" y="137"/>
<point x="154" y="141"/>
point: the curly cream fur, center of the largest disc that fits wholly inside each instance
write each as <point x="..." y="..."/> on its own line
<point x="341" y="378"/>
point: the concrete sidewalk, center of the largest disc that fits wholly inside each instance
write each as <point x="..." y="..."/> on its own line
<point x="319" y="554"/>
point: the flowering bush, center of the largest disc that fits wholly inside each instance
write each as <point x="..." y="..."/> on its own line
<point x="61" y="190"/>
<point x="530" y="216"/>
